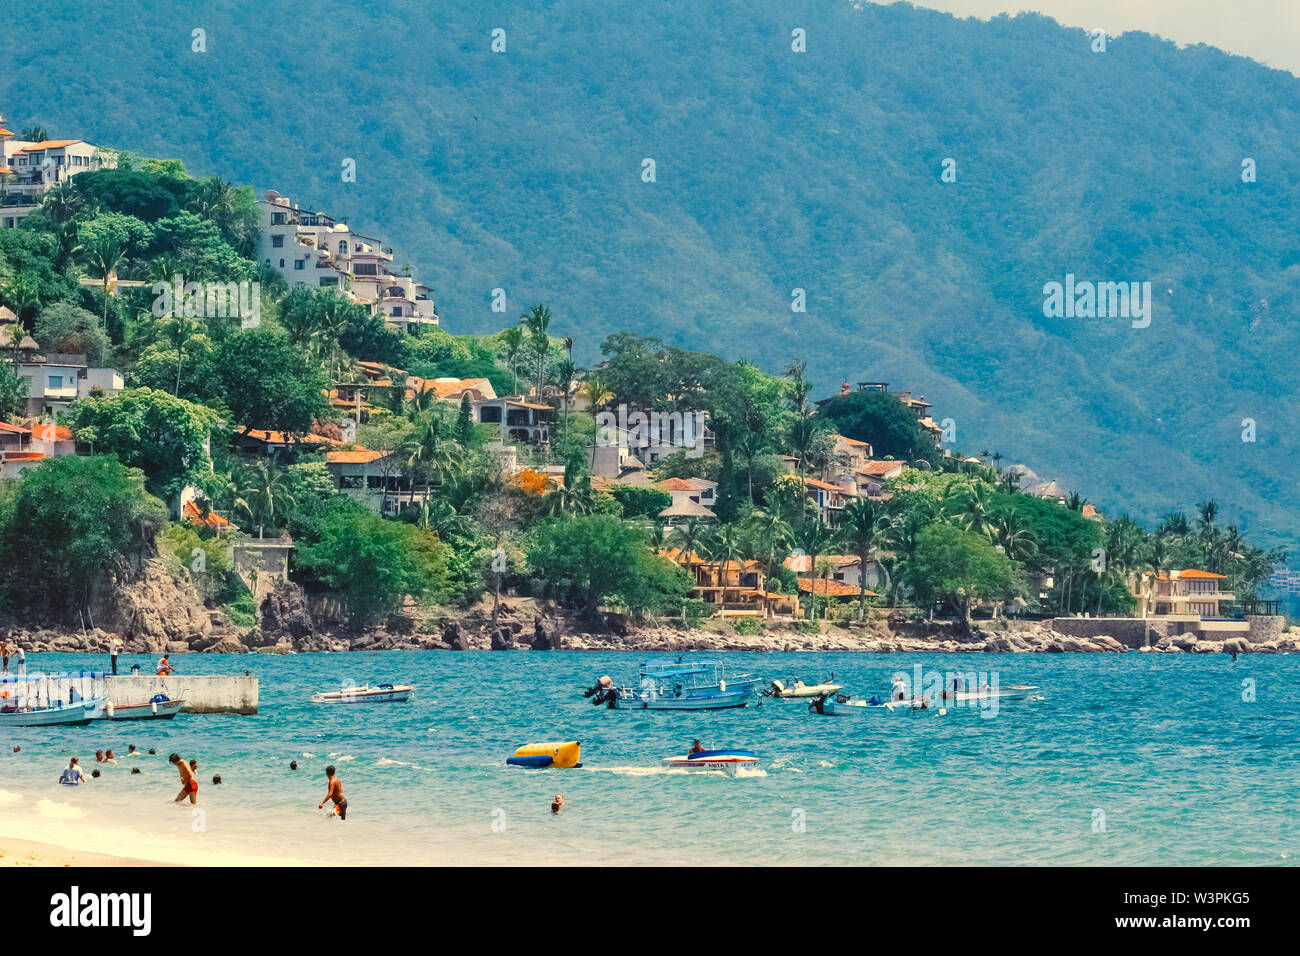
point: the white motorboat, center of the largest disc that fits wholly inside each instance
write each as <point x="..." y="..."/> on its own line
<point x="800" y="689"/>
<point x="1015" y="692"/>
<point x="383" y="694"/>
<point x="160" y="707"/>
<point x="725" y="761"/>
<point x="678" y="685"/>
<point x="839" y="705"/>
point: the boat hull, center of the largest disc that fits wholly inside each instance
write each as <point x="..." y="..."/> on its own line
<point x="804" y="691"/>
<point x="69" y="715"/>
<point x="365" y="695"/>
<point x="722" y="700"/>
<point x="724" y="761"/>
<point x="834" y="708"/>
<point x="162" y="710"/>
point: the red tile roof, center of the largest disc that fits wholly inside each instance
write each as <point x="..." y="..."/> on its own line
<point x="828" y="588"/>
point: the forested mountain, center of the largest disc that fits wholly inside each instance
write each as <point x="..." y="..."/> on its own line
<point x="775" y="171"/>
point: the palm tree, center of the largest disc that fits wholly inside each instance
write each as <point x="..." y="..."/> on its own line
<point x="537" y="321"/>
<point x="863" y="528"/>
<point x="563" y="375"/>
<point x="814" y="538"/>
<point x="105" y="254"/>
<point x="596" y="390"/>
<point x="263" y="492"/>
<point x="975" y="510"/>
<point x="686" y="537"/>
<point x="771" y="545"/>
<point x="514" y="344"/>
<point x="723" y="547"/>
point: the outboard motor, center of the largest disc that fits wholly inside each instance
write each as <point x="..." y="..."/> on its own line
<point x="817" y="704"/>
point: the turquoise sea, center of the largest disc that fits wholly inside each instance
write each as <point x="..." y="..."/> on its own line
<point x="1126" y="759"/>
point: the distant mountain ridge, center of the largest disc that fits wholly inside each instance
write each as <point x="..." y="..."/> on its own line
<point x="777" y="171"/>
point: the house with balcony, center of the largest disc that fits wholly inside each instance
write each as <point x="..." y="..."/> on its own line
<point x="733" y="588"/>
<point x="24" y="446"/>
<point x="28" y="170"/>
<point x="56" y="381"/>
<point x="519" y="421"/>
<point x="848" y="570"/>
<point x="374" y="479"/>
<point x="319" y="252"/>
<point x="1189" y="593"/>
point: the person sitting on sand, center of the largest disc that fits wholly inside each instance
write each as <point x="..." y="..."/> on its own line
<point x="335" y="793"/>
<point x="189" y="783"/>
<point x="164" y="667"/>
<point x="697" y="748"/>
<point x="558" y="803"/>
<point x="73" y="775"/>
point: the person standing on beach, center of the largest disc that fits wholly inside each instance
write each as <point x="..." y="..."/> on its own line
<point x="114" y="648"/>
<point x="189" y="783"/>
<point x="335" y="793"/>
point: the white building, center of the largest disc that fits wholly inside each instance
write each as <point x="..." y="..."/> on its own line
<point x="56" y="381"/>
<point x="314" y="250"/>
<point x="29" y="169"/>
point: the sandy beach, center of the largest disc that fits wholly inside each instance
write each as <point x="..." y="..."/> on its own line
<point x="15" y="852"/>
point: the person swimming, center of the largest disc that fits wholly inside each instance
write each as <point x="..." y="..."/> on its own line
<point x="558" y="803"/>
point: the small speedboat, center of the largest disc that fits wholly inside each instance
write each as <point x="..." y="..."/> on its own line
<point x="800" y="689"/>
<point x="365" y="694"/>
<point x="839" y="705"/>
<point x="1015" y="692"/>
<point x="678" y="685"/>
<point x="67" y="714"/>
<point x="726" y="761"/>
<point x="540" y="756"/>
<point x="158" y="707"/>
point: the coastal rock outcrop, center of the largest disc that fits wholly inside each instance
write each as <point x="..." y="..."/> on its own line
<point x="453" y="635"/>
<point x="546" y="635"/>
<point x="151" y="610"/>
<point x="285" y="615"/>
<point x="503" y="639"/>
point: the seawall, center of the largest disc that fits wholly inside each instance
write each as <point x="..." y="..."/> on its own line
<point x="203" y="695"/>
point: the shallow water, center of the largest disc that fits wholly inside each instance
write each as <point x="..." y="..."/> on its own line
<point x="1125" y="759"/>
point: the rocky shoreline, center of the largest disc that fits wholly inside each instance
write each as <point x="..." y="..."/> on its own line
<point x="287" y="627"/>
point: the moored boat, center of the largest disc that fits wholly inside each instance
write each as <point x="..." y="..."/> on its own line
<point x="679" y="685"/>
<point x="365" y="694"/>
<point x="727" y="761"/>
<point x="1015" y="692"/>
<point x="66" y="714"/>
<point x="840" y="705"/>
<point x="159" y="707"/>
<point x="799" y="689"/>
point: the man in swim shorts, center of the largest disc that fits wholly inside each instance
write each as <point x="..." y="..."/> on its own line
<point x="335" y="793"/>
<point x="189" y="782"/>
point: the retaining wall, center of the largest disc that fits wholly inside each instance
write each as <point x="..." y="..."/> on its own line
<point x="209" y="694"/>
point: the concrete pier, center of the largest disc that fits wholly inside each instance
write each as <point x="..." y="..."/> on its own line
<point x="208" y="694"/>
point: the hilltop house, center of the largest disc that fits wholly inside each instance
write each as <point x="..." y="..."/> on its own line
<point x="55" y="381"/>
<point x="317" y="251"/>
<point x="28" y="170"/>
<point x="919" y="406"/>
<point x="692" y="498"/>
<point x="520" y="421"/>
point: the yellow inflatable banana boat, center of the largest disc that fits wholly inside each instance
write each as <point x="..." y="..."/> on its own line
<point x="547" y="755"/>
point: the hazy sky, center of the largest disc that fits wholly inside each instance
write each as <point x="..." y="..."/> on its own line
<point x="1265" y="30"/>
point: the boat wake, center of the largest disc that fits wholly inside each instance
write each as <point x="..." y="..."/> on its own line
<point x="675" y="772"/>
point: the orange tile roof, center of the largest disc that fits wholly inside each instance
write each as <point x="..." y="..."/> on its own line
<point x="24" y="456"/>
<point x="878" y="468"/>
<point x="851" y="441"/>
<point x="1193" y="573"/>
<point x="676" y="484"/>
<point x="280" y="438"/>
<point x="51" y="432"/>
<point x="821" y="484"/>
<point x="5" y="132"/>
<point x="676" y="555"/>
<point x="443" y="389"/>
<point x="48" y="144"/>
<point x="17" y="429"/>
<point x="193" y="513"/>
<point x="828" y="588"/>
<point x="360" y="456"/>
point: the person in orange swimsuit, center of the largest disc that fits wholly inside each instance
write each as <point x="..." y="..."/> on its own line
<point x="335" y="793"/>
<point x="189" y="782"/>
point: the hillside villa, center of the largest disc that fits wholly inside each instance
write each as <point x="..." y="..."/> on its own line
<point x="28" y="170"/>
<point x="317" y="251"/>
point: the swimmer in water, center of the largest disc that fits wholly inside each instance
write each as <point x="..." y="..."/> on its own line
<point x="558" y="803"/>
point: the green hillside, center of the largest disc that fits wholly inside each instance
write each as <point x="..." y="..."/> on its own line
<point x="776" y="171"/>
